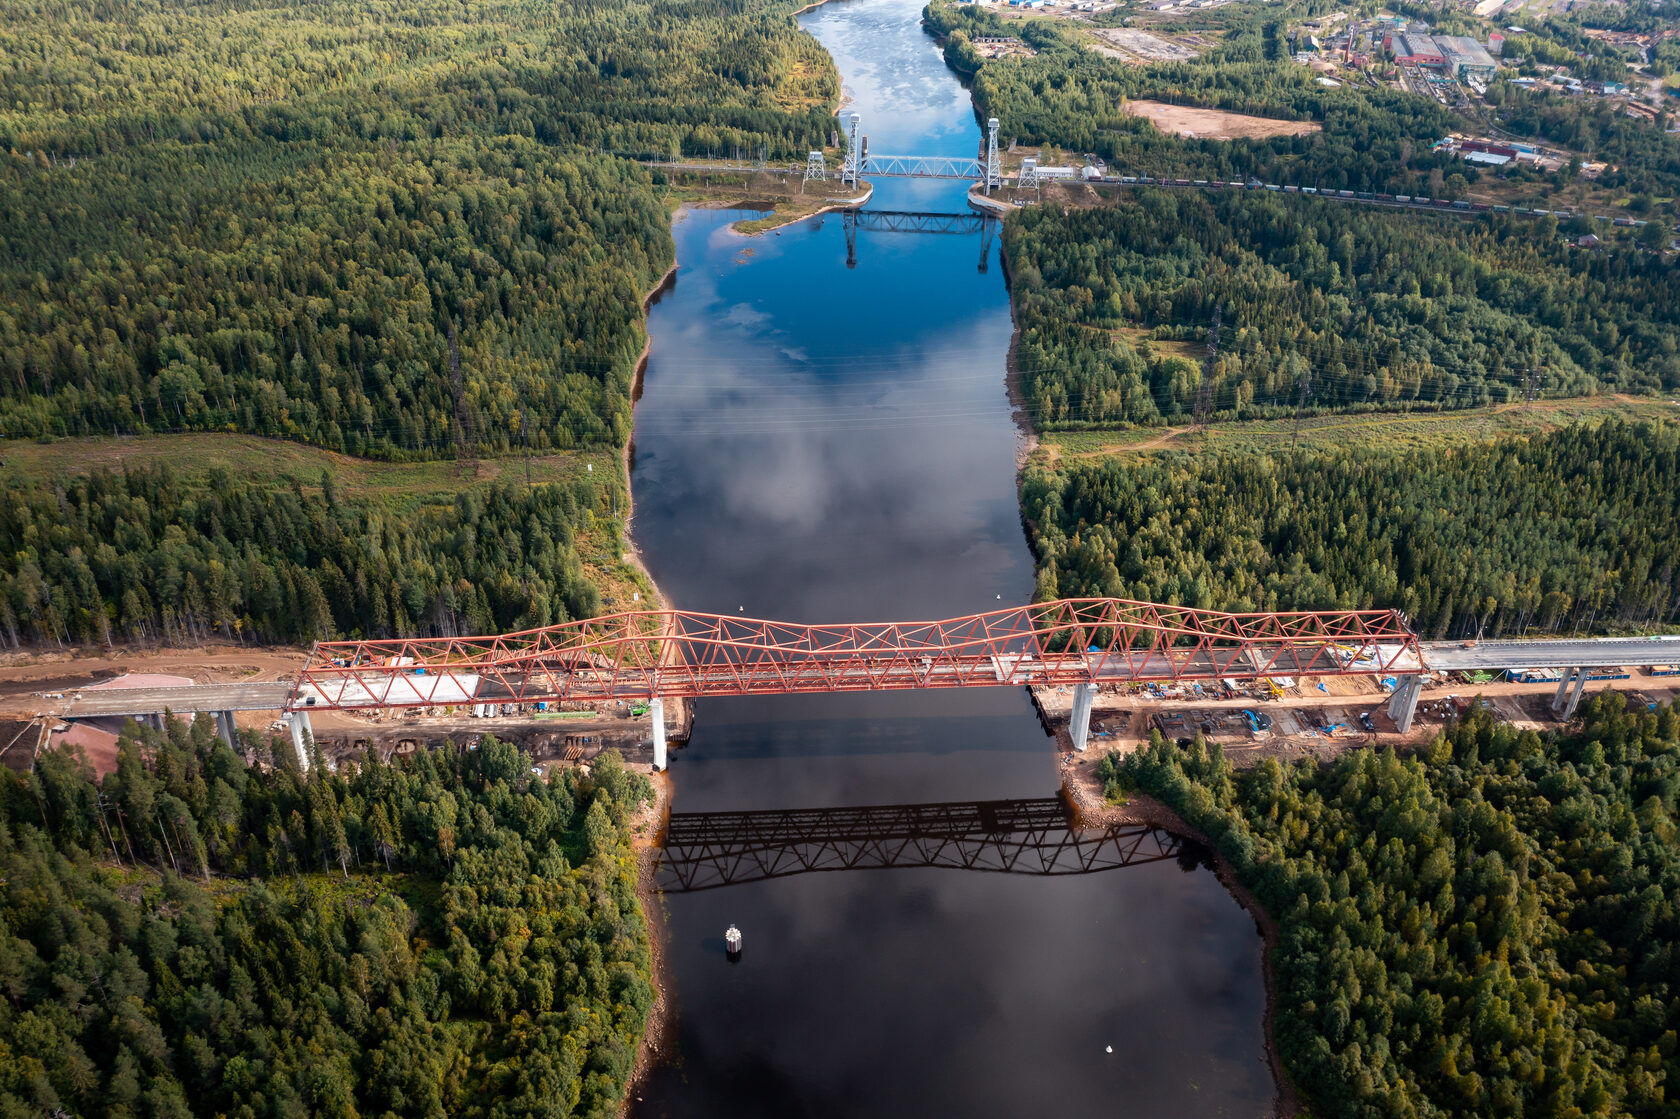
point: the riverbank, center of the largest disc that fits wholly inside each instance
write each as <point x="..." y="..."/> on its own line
<point x="650" y="824"/>
<point x="780" y="217"/>
<point x="784" y="193"/>
<point x="649" y="829"/>
<point x="632" y="555"/>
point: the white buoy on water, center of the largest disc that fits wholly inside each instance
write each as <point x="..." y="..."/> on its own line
<point x="732" y="942"/>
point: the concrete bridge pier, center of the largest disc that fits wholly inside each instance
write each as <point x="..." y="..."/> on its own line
<point x="225" y="729"/>
<point x="1564" y="708"/>
<point x="1079" y="725"/>
<point x="1402" y="705"/>
<point x="302" y="735"/>
<point x="1563" y="689"/>
<point x="656" y="712"/>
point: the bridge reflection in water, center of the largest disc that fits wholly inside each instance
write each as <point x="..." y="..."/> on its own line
<point x="906" y="221"/>
<point x="706" y="850"/>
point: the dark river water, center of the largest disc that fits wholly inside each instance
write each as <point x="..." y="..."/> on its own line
<point x="822" y="443"/>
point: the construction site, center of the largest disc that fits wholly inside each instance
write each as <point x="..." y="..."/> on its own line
<point x="1292" y="720"/>
<point x="1282" y="717"/>
<point x="34" y="690"/>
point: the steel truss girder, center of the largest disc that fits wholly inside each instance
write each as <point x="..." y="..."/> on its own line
<point x="923" y="166"/>
<point x="684" y="654"/>
<point x="703" y="851"/>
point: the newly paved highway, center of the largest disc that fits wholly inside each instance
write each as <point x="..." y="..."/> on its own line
<point x="262" y="695"/>
<point x="1452" y="656"/>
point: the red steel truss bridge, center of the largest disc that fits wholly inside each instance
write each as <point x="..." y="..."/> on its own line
<point x="681" y="654"/>
<point x="708" y="850"/>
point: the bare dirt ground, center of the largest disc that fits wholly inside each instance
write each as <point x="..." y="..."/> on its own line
<point x="1140" y="47"/>
<point x="1216" y="124"/>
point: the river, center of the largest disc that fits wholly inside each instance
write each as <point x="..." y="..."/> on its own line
<point x="822" y="443"/>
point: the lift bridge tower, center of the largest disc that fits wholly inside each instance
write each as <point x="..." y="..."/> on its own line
<point x="850" y="169"/>
<point x="994" y="173"/>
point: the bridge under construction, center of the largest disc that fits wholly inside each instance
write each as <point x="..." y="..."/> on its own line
<point x="658" y="655"/>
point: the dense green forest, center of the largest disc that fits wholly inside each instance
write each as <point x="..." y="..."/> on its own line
<point x="1486" y="928"/>
<point x="144" y="556"/>
<point x="1336" y="307"/>
<point x="446" y="935"/>
<point x="1576" y="529"/>
<point x="1072" y="97"/>
<point x="381" y="228"/>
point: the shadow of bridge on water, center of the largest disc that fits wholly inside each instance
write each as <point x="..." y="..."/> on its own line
<point x="708" y="850"/>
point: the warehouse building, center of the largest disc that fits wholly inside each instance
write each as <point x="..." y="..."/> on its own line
<point x="1463" y="57"/>
<point x="1418" y="50"/>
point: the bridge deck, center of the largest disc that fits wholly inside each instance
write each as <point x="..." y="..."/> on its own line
<point x="1621" y="652"/>
<point x="254" y="696"/>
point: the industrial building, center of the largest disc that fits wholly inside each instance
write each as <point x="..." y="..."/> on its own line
<point x="1418" y="50"/>
<point x="1457" y="55"/>
<point x="1463" y="57"/>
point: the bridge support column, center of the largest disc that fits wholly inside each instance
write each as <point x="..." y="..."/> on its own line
<point x="1562" y="696"/>
<point x="1575" y="696"/>
<point x="302" y="735"/>
<point x="1079" y="725"/>
<point x="225" y="729"/>
<point x="656" y="712"/>
<point x="1402" y="706"/>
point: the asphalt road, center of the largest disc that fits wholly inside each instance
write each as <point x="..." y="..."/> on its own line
<point x="1443" y="656"/>
<point x="265" y="695"/>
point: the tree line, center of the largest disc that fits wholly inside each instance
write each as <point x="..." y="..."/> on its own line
<point x="144" y="556"/>
<point x="449" y="934"/>
<point x="1487" y="927"/>
<point x="1578" y="529"/>
<point x="1323" y="307"/>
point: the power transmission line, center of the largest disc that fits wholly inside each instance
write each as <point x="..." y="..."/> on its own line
<point x="1204" y="392"/>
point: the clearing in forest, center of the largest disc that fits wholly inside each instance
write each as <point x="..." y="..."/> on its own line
<point x="1131" y="45"/>
<point x="1216" y="124"/>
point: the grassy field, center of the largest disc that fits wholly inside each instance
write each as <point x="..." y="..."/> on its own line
<point x="276" y="462"/>
<point x="1398" y="432"/>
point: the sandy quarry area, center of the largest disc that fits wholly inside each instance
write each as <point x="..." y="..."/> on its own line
<point x="1216" y="124"/>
